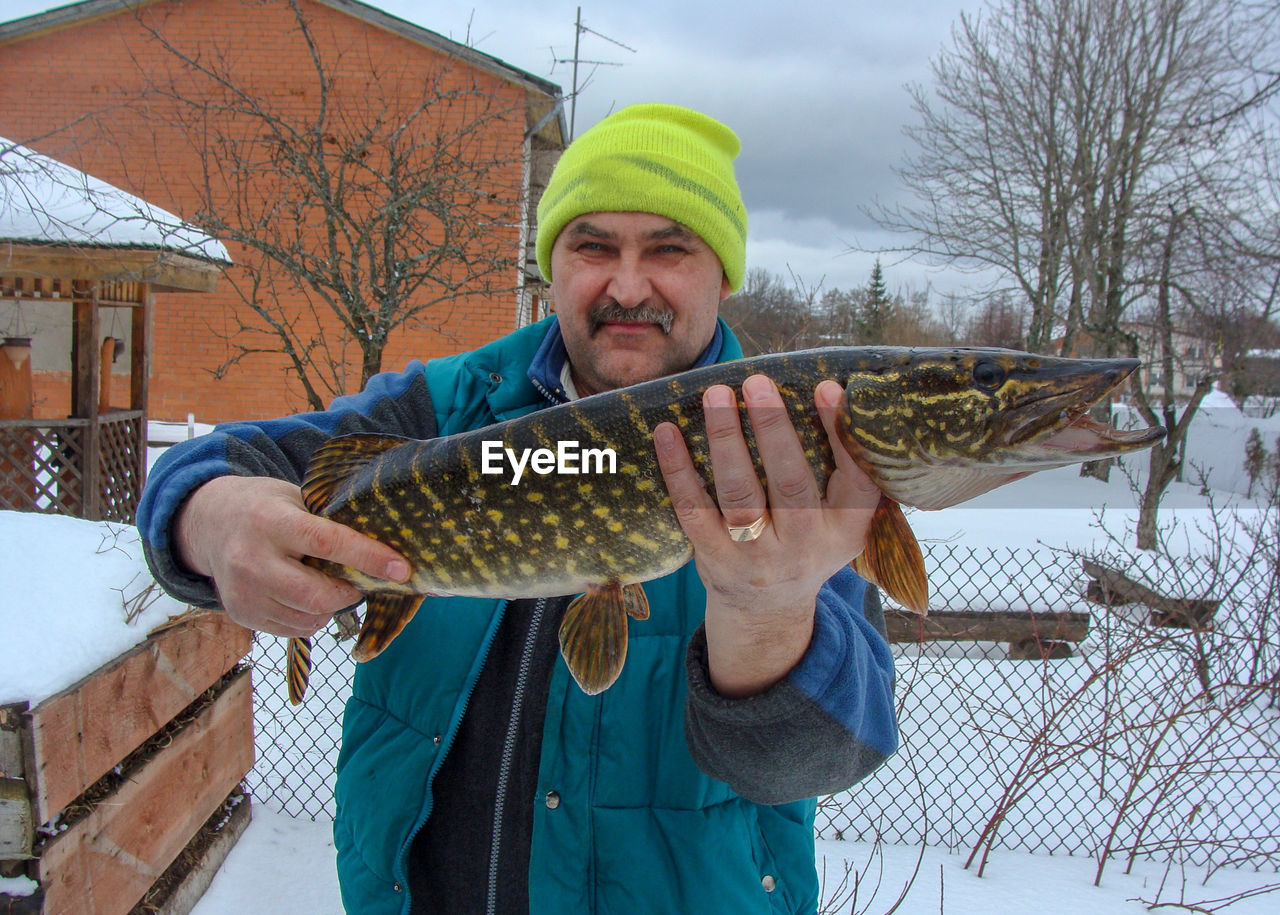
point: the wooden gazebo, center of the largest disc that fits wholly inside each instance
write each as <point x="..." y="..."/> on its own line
<point x="68" y="241"/>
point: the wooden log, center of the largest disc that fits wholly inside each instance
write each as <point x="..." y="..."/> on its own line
<point x="1039" y="650"/>
<point x="987" y="626"/>
<point x="108" y="860"/>
<point x="1112" y="587"/>
<point x="77" y="735"/>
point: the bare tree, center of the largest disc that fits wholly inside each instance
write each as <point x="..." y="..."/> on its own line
<point x="379" y="202"/>
<point x="1055" y="134"/>
<point x="1062" y="136"/>
<point x="770" y="315"/>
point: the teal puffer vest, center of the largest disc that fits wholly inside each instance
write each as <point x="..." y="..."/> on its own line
<point x="633" y="826"/>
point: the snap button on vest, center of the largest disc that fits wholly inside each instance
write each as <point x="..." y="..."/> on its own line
<point x="553" y="800"/>
<point x="768" y="883"/>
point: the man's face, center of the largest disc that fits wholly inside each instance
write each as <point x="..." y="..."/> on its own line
<point x="637" y="296"/>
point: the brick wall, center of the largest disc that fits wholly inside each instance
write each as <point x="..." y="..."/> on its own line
<point x="76" y="93"/>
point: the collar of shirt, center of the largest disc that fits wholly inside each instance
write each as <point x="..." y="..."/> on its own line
<point x="550" y="372"/>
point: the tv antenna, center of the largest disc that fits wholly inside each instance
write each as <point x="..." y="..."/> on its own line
<point x="578" y="31"/>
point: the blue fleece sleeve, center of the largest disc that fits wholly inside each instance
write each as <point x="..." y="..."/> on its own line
<point x="828" y="724"/>
<point x="393" y="403"/>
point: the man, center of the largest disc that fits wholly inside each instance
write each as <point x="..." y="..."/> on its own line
<point x="474" y="775"/>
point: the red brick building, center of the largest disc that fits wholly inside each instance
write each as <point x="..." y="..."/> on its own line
<point x="90" y="84"/>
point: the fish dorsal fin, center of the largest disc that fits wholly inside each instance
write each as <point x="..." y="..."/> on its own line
<point x="336" y="460"/>
<point x="386" y="615"/>
<point x="892" y="558"/>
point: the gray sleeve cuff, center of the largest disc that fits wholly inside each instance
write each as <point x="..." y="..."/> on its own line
<point x="772" y="748"/>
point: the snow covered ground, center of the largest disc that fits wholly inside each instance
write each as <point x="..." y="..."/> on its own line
<point x="70" y="585"/>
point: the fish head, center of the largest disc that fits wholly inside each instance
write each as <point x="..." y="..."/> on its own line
<point x="936" y="427"/>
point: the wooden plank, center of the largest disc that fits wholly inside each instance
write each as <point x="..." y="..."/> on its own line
<point x="986" y="626"/>
<point x="12" y="726"/>
<point x="140" y="355"/>
<point x="1111" y="587"/>
<point x="80" y="733"/>
<point x="108" y="860"/>
<point x="169" y="272"/>
<point x="183" y="898"/>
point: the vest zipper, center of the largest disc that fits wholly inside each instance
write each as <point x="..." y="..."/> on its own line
<point x="508" y="753"/>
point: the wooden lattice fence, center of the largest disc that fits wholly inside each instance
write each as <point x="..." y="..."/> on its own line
<point x="81" y="467"/>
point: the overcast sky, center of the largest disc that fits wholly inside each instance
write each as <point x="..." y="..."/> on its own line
<point x="815" y="90"/>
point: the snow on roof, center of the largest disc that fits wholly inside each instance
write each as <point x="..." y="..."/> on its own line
<point x="44" y="201"/>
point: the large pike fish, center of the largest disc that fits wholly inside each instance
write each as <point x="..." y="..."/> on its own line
<point x="931" y="427"/>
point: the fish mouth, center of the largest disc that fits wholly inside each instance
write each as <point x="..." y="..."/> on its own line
<point x="1051" y="422"/>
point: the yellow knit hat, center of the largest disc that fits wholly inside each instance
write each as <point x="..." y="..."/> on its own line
<point x="660" y="159"/>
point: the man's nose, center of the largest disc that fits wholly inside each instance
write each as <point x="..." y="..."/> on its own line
<point x="630" y="284"/>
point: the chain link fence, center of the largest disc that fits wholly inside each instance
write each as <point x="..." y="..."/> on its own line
<point x="1156" y="737"/>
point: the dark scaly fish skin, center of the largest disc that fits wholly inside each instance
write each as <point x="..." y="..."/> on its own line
<point x="932" y="427"/>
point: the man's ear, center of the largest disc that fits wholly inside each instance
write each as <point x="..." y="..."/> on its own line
<point x="725" y="289"/>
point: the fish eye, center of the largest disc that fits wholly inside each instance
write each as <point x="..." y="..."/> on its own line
<point x="988" y="375"/>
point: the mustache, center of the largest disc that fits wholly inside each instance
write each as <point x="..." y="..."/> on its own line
<point x="613" y="313"/>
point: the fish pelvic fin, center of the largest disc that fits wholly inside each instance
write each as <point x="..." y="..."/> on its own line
<point x="298" y="669"/>
<point x="386" y="614"/>
<point x="593" y="634"/>
<point x="635" y="601"/>
<point x="892" y="558"/>
<point x="334" y="462"/>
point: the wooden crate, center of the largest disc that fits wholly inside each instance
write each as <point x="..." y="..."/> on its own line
<point x="122" y="769"/>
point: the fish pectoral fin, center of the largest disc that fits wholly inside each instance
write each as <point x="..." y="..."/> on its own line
<point x="336" y="460"/>
<point x="892" y="558"/>
<point x="635" y="601"/>
<point x="298" y="669"/>
<point x="593" y="636"/>
<point x="385" y="615"/>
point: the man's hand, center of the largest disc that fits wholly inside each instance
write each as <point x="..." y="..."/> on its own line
<point x="249" y="534"/>
<point x="761" y="594"/>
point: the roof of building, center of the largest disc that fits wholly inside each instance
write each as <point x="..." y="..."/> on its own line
<point x="76" y="13"/>
<point x="44" y="201"/>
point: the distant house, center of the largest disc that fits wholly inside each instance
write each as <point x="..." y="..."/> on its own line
<point x="72" y="85"/>
<point x="1193" y="358"/>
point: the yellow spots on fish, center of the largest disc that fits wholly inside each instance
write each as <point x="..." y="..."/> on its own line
<point x="551" y="519"/>
<point x="461" y="539"/>
<point x="600" y="511"/>
<point x="614" y="527"/>
<point x="448" y="524"/>
<point x="406" y="532"/>
<point x="589" y="539"/>
<point x="526" y="568"/>
<point x="579" y="522"/>
<point x="511" y="537"/>
<point x="584" y="489"/>
<point x="533" y="496"/>
<point x="562" y="542"/>
<point x="494" y="515"/>
<point x="362" y="520"/>
<point x="437" y="506"/>
<point x="645" y="485"/>
<point x="629" y="469"/>
<point x="642" y="541"/>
